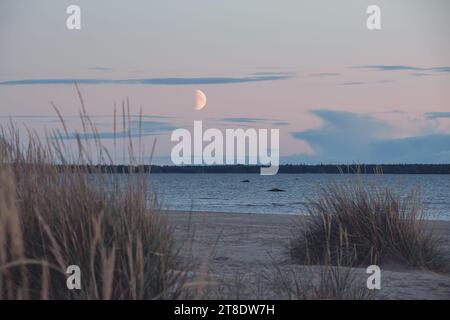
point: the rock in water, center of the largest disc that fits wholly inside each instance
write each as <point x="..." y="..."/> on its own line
<point x="276" y="190"/>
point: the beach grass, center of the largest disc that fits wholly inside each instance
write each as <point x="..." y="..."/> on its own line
<point x="361" y="224"/>
<point x="54" y="214"/>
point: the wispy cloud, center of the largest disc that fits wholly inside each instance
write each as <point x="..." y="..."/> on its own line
<point x="153" y="81"/>
<point x="390" y="67"/>
<point x="437" y="115"/>
<point x="325" y="74"/>
<point x="280" y="123"/>
<point x="135" y="129"/>
<point x="270" y="73"/>
<point x="244" y="120"/>
<point x="353" y="83"/>
<point x="99" y="68"/>
<point x="77" y="117"/>
<point x="420" y="74"/>
<point x="441" y="69"/>
<point x="404" y="68"/>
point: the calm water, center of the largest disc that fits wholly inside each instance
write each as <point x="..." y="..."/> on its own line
<point x="227" y="192"/>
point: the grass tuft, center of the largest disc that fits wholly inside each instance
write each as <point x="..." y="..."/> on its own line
<point x="364" y="224"/>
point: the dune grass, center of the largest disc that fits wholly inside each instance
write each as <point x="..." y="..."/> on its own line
<point x="365" y="224"/>
<point x="52" y="217"/>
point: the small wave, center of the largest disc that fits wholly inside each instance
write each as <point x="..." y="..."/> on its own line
<point x="297" y="202"/>
<point x="275" y="204"/>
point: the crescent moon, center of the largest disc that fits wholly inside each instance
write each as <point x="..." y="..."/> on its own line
<point x="200" y="100"/>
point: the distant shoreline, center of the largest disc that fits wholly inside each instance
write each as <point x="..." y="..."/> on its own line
<point x="270" y="215"/>
<point x="286" y="169"/>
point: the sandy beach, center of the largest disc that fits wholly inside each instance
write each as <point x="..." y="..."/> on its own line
<point x="242" y="252"/>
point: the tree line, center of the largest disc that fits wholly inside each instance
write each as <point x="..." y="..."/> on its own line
<point x="286" y="168"/>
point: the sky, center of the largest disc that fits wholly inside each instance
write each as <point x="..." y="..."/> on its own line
<point x="338" y="92"/>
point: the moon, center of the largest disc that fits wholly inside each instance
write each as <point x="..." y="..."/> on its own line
<point x="200" y="100"/>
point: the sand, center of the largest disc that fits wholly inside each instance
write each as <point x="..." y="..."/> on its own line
<point x="245" y="255"/>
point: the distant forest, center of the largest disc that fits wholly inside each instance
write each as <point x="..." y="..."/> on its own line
<point x="287" y="168"/>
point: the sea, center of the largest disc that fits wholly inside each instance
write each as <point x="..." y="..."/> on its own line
<point x="249" y="193"/>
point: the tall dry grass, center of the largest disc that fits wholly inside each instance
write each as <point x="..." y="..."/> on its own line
<point x="362" y="224"/>
<point x="53" y="214"/>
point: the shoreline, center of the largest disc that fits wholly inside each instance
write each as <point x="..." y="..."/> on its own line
<point x="274" y="214"/>
<point x="247" y="246"/>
